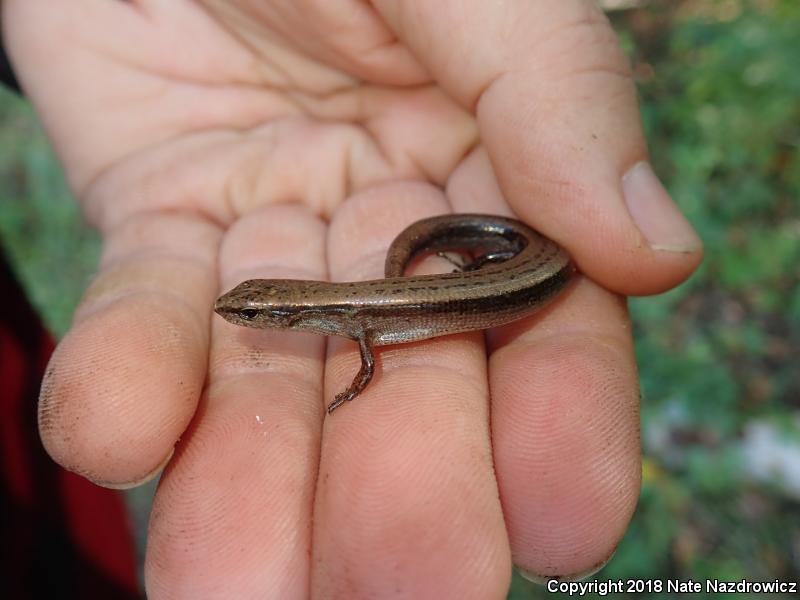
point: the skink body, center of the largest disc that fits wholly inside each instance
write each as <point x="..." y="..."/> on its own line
<point x="515" y="271"/>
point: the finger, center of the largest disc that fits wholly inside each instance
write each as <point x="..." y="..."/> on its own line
<point x="233" y="510"/>
<point x="557" y="113"/>
<point x="124" y="382"/>
<point x="472" y="187"/>
<point x="406" y="500"/>
<point x="564" y="417"/>
<point x="565" y="431"/>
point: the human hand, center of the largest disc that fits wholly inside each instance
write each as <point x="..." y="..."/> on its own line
<point x="212" y="142"/>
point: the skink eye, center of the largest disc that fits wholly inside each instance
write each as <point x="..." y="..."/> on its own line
<point x="248" y="313"/>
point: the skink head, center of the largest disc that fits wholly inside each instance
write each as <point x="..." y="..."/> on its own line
<point x="260" y="303"/>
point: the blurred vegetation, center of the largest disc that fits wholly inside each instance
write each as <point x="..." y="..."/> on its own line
<point x="41" y="230"/>
<point x="720" y="90"/>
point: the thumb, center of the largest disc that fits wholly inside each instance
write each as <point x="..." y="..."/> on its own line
<point x="557" y="112"/>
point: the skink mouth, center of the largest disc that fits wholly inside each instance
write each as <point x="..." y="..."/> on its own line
<point x="231" y="302"/>
<point x="224" y="310"/>
<point x="224" y="313"/>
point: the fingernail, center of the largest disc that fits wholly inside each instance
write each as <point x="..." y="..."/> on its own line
<point x="542" y="579"/>
<point x="656" y="215"/>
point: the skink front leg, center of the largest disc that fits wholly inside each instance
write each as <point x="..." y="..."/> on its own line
<point x="462" y="265"/>
<point x="362" y="377"/>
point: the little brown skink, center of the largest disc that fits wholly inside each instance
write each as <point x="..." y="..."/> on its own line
<point x="516" y="270"/>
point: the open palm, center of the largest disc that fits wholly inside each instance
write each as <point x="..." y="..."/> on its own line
<point x="214" y="141"/>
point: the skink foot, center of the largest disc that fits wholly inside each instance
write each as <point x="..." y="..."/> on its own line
<point x="362" y="377"/>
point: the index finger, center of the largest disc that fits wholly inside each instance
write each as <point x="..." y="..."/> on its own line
<point x="124" y="382"/>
